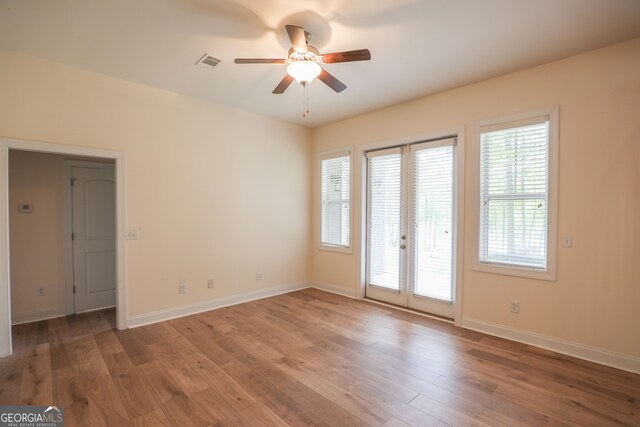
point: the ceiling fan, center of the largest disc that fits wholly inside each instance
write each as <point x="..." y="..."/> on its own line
<point x="304" y="61"/>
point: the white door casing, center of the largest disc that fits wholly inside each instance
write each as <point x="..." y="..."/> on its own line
<point x="5" y="278"/>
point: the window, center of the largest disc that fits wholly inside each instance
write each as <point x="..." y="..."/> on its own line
<point x="517" y="206"/>
<point x="335" y="230"/>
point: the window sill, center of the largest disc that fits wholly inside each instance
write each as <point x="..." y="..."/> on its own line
<point x="332" y="248"/>
<point x="529" y="273"/>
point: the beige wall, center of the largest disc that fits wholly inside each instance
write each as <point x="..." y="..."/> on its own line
<point x="37" y="239"/>
<point x="595" y="299"/>
<point x="215" y="192"/>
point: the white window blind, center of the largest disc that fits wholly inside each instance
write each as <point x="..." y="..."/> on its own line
<point x="336" y="199"/>
<point x="514" y="194"/>
<point x="385" y="204"/>
<point x="433" y="221"/>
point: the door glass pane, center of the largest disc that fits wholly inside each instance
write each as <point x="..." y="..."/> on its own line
<point x="385" y="220"/>
<point x="433" y="223"/>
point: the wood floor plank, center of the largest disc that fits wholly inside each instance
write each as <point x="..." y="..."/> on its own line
<point x="11" y="369"/>
<point x="183" y="411"/>
<point x="581" y="367"/>
<point x="557" y="400"/>
<point x="380" y="399"/>
<point x="132" y="390"/>
<point x="218" y="380"/>
<point x="19" y="338"/>
<point x="105" y="405"/>
<point x="87" y="356"/>
<point x="62" y="354"/>
<point x="155" y="418"/>
<point x="358" y="407"/>
<point x="307" y="358"/>
<point x="394" y="422"/>
<point x="278" y="401"/>
<point x="258" y="414"/>
<point x="78" y="325"/>
<point x="108" y="343"/>
<point x="135" y="349"/>
<point x="71" y="393"/>
<point x="506" y="407"/>
<point x="161" y="385"/>
<point x="37" y="387"/>
<point x="101" y="320"/>
<point x="445" y="413"/>
<point x="218" y="408"/>
<point x="356" y="372"/>
<point x="249" y="353"/>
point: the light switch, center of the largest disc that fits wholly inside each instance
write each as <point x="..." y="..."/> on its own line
<point x="25" y="208"/>
<point x="132" y="234"/>
<point x="567" y="241"/>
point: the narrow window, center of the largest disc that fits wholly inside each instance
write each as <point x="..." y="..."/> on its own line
<point x="336" y="200"/>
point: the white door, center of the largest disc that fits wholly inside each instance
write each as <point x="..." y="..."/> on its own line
<point x="411" y="221"/>
<point x="94" y="254"/>
<point x="386" y="217"/>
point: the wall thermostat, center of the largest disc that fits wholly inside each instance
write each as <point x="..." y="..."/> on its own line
<point x="25" y="208"/>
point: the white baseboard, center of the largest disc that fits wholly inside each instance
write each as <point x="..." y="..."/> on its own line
<point x="186" y="310"/>
<point x="350" y="293"/>
<point x="36" y="316"/>
<point x="593" y="354"/>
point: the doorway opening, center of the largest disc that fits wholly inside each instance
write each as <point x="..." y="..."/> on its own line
<point x="93" y="212"/>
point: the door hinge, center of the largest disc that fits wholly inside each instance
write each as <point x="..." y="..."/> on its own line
<point x="73" y="181"/>
<point x="73" y="236"/>
<point x="74" y="289"/>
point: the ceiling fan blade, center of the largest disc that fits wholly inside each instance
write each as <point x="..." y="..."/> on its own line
<point x="349" y="56"/>
<point x="331" y="81"/>
<point x="283" y="85"/>
<point x="258" y="61"/>
<point x="297" y="37"/>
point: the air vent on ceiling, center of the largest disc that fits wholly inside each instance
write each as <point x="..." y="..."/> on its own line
<point x="207" y="61"/>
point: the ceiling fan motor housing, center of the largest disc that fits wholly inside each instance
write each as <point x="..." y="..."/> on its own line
<point x="312" y="54"/>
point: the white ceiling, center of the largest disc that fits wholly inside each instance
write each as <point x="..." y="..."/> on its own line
<point x="418" y="47"/>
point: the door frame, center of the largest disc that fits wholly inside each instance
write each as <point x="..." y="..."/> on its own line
<point x="455" y="132"/>
<point x="7" y="144"/>
<point x="68" y="223"/>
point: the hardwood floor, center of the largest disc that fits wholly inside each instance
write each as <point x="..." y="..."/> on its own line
<point x="307" y="358"/>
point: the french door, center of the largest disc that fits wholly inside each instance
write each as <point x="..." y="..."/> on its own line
<point x="411" y="220"/>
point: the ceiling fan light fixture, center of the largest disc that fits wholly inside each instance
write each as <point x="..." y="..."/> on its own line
<point x="304" y="71"/>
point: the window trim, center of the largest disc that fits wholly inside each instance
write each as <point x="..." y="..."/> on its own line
<point x="550" y="273"/>
<point x="327" y="155"/>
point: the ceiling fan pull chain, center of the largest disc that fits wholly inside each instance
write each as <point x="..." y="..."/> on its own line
<point x="305" y="101"/>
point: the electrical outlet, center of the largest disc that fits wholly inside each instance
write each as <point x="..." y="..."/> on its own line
<point x="515" y="307"/>
<point x="41" y="292"/>
<point x="182" y="288"/>
<point x="210" y="283"/>
<point x="258" y="276"/>
<point x="132" y="234"/>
